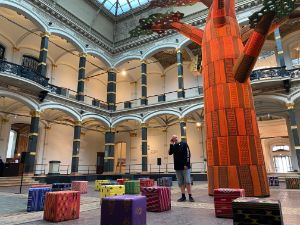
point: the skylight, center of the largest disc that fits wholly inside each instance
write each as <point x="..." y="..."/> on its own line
<point x="118" y="7"/>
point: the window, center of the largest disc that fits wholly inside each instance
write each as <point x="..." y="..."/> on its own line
<point x="280" y="148"/>
<point x="30" y="62"/>
<point x="2" y="51"/>
<point x="11" y="144"/>
<point x="282" y="164"/>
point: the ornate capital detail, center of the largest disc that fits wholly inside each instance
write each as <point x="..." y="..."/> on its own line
<point x="83" y="54"/>
<point x="78" y="123"/>
<point x="143" y="61"/>
<point x="112" y="70"/>
<point x="290" y="105"/>
<point x="144" y="125"/>
<point x="178" y="50"/>
<point x="182" y="120"/>
<point x="34" y="113"/>
<point x="110" y="130"/>
<point x="45" y="34"/>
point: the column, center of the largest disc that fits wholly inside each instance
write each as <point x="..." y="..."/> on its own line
<point x="180" y="91"/>
<point x="42" y="66"/>
<point x="76" y="147"/>
<point x="144" y="147"/>
<point x="144" y="100"/>
<point x="279" y="48"/>
<point x="292" y="146"/>
<point x="81" y="77"/>
<point x="32" y="142"/>
<point x="294" y="128"/>
<point x="182" y="123"/>
<point x="109" y="156"/>
<point x="111" y="89"/>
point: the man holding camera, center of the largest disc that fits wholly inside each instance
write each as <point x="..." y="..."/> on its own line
<point x="182" y="155"/>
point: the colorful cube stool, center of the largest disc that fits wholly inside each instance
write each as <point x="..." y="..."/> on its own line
<point x="124" y="209"/>
<point x="62" y="206"/>
<point x="158" y="198"/>
<point x="111" y="190"/>
<point x="81" y="186"/>
<point x="292" y="182"/>
<point x="132" y="187"/>
<point x="41" y="186"/>
<point x="223" y="198"/>
<point x="36" y="198"/>
<point x="98" y="184"/>
<point x="256" y="211"/>
<point x="121" y="181"/>
<point x="61" y="186"/>
<point x="146" y="183"/>
<point x="165" y="181"/>
<point x="273" y="181"/>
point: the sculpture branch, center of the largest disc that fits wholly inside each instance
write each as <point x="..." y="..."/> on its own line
<point x="193" y="33"/>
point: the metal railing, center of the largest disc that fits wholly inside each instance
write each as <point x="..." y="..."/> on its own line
<point x="87" y="169"/>
<point x="196" y="167"/>
<point x="274" y="72"/>
<point x="24" y="72"/>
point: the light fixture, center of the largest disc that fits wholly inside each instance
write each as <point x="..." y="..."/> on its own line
<point x="123" y="73"/>
<point x="19" y="154"/>
<point x="198" y="124"/>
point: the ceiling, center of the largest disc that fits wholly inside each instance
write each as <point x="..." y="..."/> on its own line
<point x="119" y="7"/>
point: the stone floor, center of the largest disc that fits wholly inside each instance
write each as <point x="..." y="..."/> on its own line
<point x="13" y="208"/>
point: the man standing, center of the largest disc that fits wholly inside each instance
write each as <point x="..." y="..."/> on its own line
<point x="182" y="155"/>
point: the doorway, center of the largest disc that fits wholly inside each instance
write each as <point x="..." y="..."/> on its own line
<point x="100" y="163"/>
<point x="282" y="164"/>
<point x="120" y="157"/>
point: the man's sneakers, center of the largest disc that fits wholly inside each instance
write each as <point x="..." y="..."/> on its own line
<point x="191" y="199"/>
<point x="183" y="198"/>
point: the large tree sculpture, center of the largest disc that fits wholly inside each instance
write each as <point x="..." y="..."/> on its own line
<point x="234" y="152"/>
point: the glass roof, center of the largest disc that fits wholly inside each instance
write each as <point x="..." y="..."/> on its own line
<point x="118" y="7"/>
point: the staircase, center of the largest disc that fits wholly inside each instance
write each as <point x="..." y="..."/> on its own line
<point x="16" y="181"/>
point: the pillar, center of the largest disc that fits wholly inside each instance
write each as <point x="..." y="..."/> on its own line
<point x="144" y="147"/>
<point x="42" y="66"/>
<point x="279" y="48"/>
<point x="144" y="100"/>
<point x="292" y="145"/>
<point x="294" y="128"/>
<point x="32" y="143"/>
<point x="76" y="147"/>
<point x="109" y="156"/>
<point x="182" y="123"/>
<point x="111" y="89"/>
<point x="81" y="77"/>
<point x="180" y="91"/>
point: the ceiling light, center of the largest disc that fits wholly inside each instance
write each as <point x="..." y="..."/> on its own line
<point x="123" y="73"/>
<point x="198" y="124"/>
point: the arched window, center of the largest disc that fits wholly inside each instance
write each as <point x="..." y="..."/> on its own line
<point x="2" y="52"/>
<point x="30" y="62"/>
<point x="277" y="148"/>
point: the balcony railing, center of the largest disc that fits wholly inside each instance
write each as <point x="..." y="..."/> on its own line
<point x="274" y="72"/>
<point x="21" y="71"/>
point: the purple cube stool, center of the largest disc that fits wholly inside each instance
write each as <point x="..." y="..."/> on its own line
<point x="123" y="209"/>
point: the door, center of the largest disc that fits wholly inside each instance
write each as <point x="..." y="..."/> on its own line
<point x="120" y="157"/>
<point x="100" y="163"/>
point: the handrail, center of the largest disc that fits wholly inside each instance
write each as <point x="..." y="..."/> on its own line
<point x="88" y="169"/>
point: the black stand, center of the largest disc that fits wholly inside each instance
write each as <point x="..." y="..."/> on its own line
<point x="22" y="175"/>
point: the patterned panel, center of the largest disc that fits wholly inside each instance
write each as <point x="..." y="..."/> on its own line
<point x="158" y="198"/>
<point x="81" y="186"/>
<point x="36" y="198"/>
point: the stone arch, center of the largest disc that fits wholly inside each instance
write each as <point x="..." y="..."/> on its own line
<point x="156" y="49"/>
<point x="127" y="58"/>
<point x="30" y="103"/>
<point x="104" y="58"/>
<point x="71" y="112"/>
<point x="16" y="6"/>
<point x="161" y="112"/>
<point x="192" y="108"/>
<point x="124" y="118"/>
<point x="97" y="117"/>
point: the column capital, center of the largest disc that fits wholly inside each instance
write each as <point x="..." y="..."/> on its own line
<point x="182" y="120"/>
<point x="78" y="123"/>
<point x="35" y="113"/>
<point x="5" y="120"/>
<point x="178" y="50"/>
<point x="144" y="125"/>
<point x="45" y="34"/>
<point x="290" y="105"/>
<point x="112" y="70"/>
<point x="143" y="61"/>
<point x="110" y="130"/>
<point x="83" y="54"/>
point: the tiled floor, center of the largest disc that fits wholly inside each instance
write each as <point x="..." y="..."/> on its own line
<point x="13" y="208"/>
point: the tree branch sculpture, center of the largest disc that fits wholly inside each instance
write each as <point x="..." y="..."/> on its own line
<point x="234" y="151"/>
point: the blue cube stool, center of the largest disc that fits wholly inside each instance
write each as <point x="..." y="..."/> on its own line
<point x="36" y="198"/>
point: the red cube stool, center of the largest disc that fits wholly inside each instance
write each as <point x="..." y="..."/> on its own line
<point x="158" y="198"/>
<point x="62" y="206"/>
<point x="223" y="198"/>
<point x="146" y="183"/>
<point x="81" y="186"/>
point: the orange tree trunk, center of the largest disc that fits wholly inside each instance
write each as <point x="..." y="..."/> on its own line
<point x="234" y="152"/>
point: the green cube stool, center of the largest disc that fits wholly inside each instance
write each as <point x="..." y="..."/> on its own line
<point x="132" y="187"/>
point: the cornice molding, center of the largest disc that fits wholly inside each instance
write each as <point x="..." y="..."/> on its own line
<point x="77" y="25"/>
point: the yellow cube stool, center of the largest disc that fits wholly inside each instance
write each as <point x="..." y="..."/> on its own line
<point x="111" y="190"/>
<point x="99" y="183"/>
